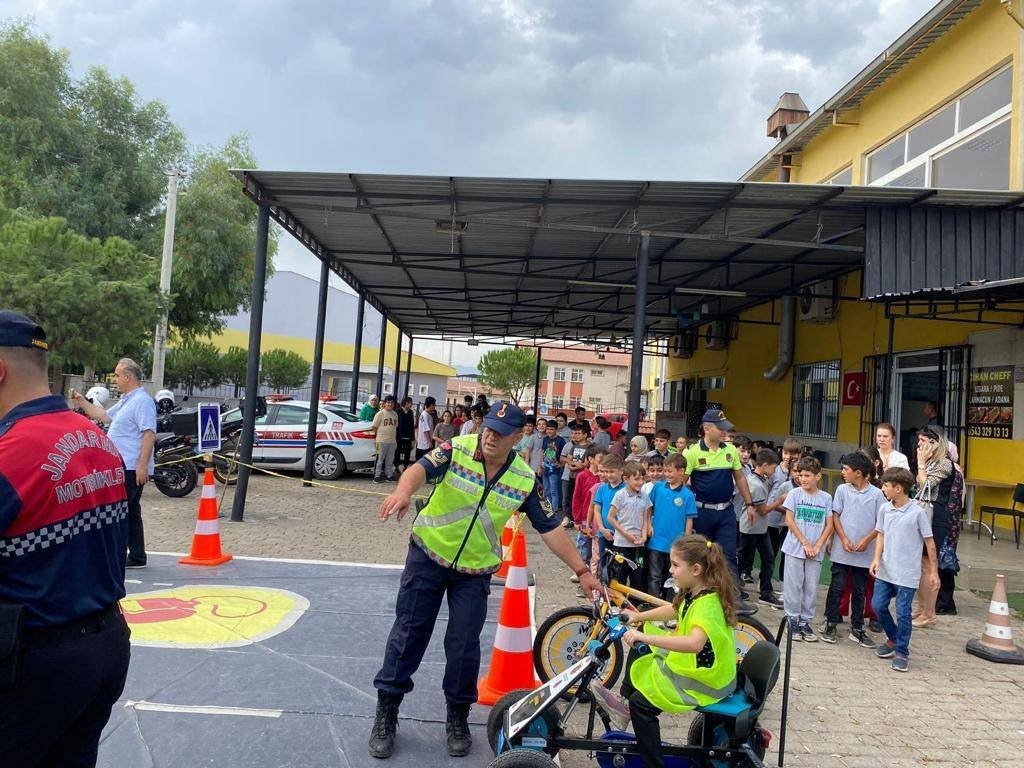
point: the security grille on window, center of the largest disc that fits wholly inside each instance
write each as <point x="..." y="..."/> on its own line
<point x="963" y="145"/>
<point x="557" y="403"/>
<point x="424" y="390"/>
<point x="816" y="400"/>
<point x="577" y="374"/>
<point x="559" y="374"/>
<point x="595" y="403"/>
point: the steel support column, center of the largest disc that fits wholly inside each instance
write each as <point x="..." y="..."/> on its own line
<point x="408" y="370"/>
<point x="380" y="356"/>
<point x="357" y="354"/>
<point x="536" y="383"/>
<point x="636" y="363"/>
<point x="318" y="368"/>
<point x="252" y="370"/>
<point x="398" y="363"/>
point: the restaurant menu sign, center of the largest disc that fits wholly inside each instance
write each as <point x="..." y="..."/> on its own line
<point x="990" y="402"/>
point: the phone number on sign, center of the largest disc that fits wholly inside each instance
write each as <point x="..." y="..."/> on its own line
<point x="988" y="430"/>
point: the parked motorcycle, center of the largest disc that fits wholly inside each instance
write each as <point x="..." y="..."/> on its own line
<point x="180" y="478"/>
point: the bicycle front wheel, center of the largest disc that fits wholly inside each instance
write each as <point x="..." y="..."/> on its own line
<point x="748" y="631"/>
<point x="560" y="642"/>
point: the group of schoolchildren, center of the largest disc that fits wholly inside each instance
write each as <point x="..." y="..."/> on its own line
<point x="873" y="531"/>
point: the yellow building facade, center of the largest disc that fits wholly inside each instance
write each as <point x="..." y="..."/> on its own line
<point x="941" y="107"/>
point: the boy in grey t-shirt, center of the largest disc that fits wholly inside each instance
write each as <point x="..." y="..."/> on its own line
<point x="903" y="529"/>
<point x="855" y="510"/>
<point x="809" y="518"/>
<point x="754" y="527"/>
<point x="630" y="517"/>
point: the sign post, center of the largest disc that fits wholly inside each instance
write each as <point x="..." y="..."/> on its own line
<point x="209" y="427"/>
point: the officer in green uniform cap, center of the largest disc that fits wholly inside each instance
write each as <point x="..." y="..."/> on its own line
<point x="480" y="481"/>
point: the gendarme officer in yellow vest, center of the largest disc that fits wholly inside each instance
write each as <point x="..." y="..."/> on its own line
<point x="454" y="548"/>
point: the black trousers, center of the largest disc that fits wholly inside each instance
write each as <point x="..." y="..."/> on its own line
<point x="404" y="454"/>
<point x="658" y="573"/>
<point x="947" y="579"/>
<point x="762" y="545"/>
<point x="136" y="534"/>
<point x="421" y="452"/>
<point x="644" y="717"/>
<point x="54" y="715"/>
<point x="777" y="536"/>
<point x="859" y="579"/>
<point x="424" y="585"/>
<point x="624" y="574"/>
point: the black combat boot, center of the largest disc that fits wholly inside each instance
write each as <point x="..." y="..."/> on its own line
<point x="385" y="723"/>
<point x="457" y="728"/>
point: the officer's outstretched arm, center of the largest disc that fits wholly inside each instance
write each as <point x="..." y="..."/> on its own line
<point x="397" y="504"/>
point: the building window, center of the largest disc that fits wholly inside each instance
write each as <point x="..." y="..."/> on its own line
<point x="843" y="178"/>
<point x="559" y="374"/>
<point x="816" y="400"/>
<point x="711" y="382"/>
<point x="389" y="387"/>
<point x="424" y="390"/>
<point x="596" y="372"/>
<point x="557" y="403"/>
<point x="595" y="403"/>
<point x="964" y="145"/>
<point x="577" y="374"/>
<point x="574" y="402"/>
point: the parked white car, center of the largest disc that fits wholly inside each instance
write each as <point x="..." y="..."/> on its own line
<point x="342" y="440"/>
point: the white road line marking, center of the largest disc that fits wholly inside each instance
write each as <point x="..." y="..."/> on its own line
<point x="153" y="706"/>
<point x="162" y="584"/>
<point x="299" y="562"/>
<point x="133" y="581"/>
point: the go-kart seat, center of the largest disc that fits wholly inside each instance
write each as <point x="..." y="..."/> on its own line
<point x="756" y="677"/>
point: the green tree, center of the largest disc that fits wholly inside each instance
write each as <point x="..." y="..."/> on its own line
<point x="214" y="242"/>
<point x="194" y="365"/>
<point x="235" y="362"/>
<point x="283" y="369"/>
<point x="94" y="299"/>
<point x="510" y="370"/>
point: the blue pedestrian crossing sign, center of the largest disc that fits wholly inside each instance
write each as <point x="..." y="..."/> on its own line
<point x="209" y="427"/>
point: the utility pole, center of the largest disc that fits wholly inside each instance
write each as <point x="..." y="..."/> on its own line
<point x="166" y="262"/>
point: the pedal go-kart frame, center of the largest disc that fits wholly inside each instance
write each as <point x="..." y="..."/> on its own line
<point x="517" y="718"/>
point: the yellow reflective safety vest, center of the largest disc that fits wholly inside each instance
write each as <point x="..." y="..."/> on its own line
<point x="671" y="680"/>
<point x="460" y="527"/>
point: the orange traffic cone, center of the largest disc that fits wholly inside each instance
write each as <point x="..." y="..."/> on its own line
<point x="206" y="541"/>
<point x="996" y="642"/>
<point x="512" y="659"/>
<point x="506" y="546"/>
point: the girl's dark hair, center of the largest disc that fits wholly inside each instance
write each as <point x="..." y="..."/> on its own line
<point x="876" y="462"/>
<point x="697" y="550"/>
<point x="447" y="413"/>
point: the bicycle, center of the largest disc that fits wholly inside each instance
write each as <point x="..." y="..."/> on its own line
<point x="527" y="729"/>
<point x="562" y="638"/>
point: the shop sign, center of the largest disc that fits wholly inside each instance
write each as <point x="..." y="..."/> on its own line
<point x="990" y="402"/>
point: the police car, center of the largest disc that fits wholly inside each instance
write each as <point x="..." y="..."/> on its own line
<point x="343" y="442"/>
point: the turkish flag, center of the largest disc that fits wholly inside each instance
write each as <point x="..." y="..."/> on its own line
<point x="853" y="388"/>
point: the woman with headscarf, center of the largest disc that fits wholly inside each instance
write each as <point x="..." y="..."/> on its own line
<point x="934" y="480"/>
<point x="638" y="448"/>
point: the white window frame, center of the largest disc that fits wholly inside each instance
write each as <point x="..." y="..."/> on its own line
<point x="961" y="135"/>
<point x="558" y="374"/>
<point x="557" y="403"/>
<point x="576" y="375"/>
<point x="424" y="390"/>
<point x="597" y="372"/>
<point x="389" y="387"/>
<point x="834" y="176"/>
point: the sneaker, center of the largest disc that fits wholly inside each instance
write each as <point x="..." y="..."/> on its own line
<point x="134" y="566"/>
<point x="828" y="633"/>
<point x="568" y="524"/>
<point x="614" y="706"/>
<point x="875" y="626"/>
<point x="745" y="609"/>
<point x="901" y="664"/>
<point x="771" y="600"/>
<point x="795" y="635"/>
<point x="744" y="595"/>
<point x="886" y="650"/>
<point x="807" y="634"/>
<point x="746" y="578"/>
<point x="378" y="480"/>
<point x="580" y="593"/>
<point x="456" y="727"/>
<point x="862" y="638"/>
<point x="385" y="723"/>
<point x="574" y="579"/>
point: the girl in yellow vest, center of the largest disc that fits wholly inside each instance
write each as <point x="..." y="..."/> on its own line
<point x="696" y="664"/>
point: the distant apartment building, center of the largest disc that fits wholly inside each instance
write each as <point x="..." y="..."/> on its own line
<point x="594" y="377"/>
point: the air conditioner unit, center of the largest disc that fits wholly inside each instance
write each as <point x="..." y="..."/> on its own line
<point x="818" y="302"/>
<point x="684" y="344"/>
<point x="716" y="335"/>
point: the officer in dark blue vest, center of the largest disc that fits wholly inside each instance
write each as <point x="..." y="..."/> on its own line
<point x="64" y="645"/>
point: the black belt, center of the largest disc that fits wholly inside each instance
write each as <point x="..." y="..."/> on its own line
<point x="57" y="634"/>
<point x="717" y="507"/>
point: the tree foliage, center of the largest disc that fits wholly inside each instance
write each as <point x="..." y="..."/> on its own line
<point x="510" y="370"/>
<point x="193" y="365"/>
<point x="283" y="369"/>
<point x="235" y="362"/>
<point x="94" y="299"/>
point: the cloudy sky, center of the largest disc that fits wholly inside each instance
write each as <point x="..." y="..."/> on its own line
<point x="648" y="89"/>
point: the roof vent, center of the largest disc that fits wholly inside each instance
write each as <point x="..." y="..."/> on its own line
<point x="789" y="112"/>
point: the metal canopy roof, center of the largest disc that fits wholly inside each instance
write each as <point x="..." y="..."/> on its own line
<point x="464" y="257"/>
